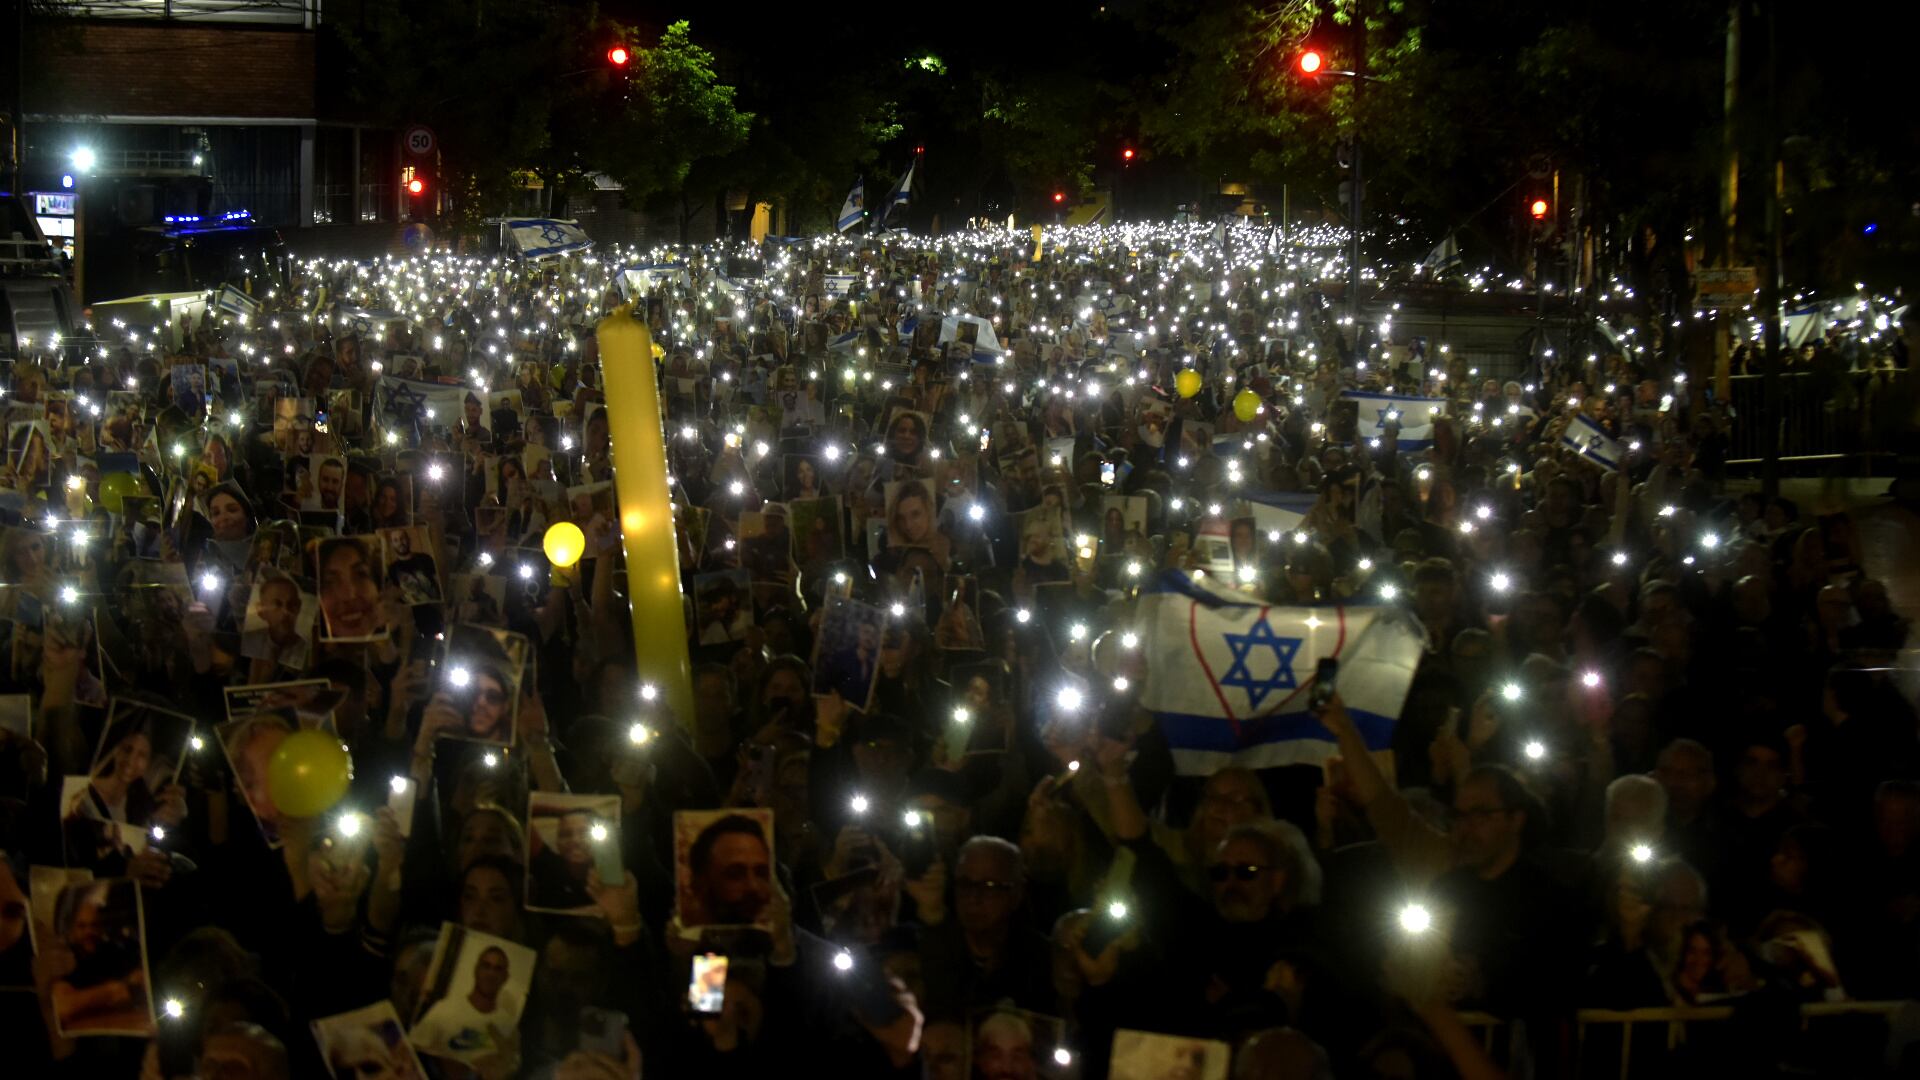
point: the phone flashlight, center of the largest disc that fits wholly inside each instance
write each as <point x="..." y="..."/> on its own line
<point x="1641" y="853"/>
<point x="459" y="677"/>
<point x="858" y="804"/>
<point x="349" y="825"/>
<point x="1416" y="919"/>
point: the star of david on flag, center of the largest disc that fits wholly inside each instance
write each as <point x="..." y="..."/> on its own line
<point x="1240" y="676"/>
<point x="1229" y="677"/>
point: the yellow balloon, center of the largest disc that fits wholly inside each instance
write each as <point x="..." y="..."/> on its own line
<point x="1246" y="406"/>
<point x="1187" y="382"/>
<point x="116" y="486"/>
<point x="564" y="544"/>
<point x="308" y="773"/>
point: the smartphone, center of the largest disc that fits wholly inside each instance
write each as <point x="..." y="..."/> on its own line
<point x="868" y="991"/>
<point x="917" y="850"/>
<point x="1325" y="675"/>
<point x="1107" y="474"/>
<point x="603" y="1031"/>
<point x="707" y="988"/>
<point x="401" y="791"/>
<point x="606" y="856"/>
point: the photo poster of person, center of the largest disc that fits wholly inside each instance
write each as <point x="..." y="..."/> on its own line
<point x="187" y="388"/>
<point x="801" y="477"/>
<point x="100" y="948"/>
<point x="1147" y="1055"/>
<point x="476" y="989"/>
<point x="141" y="750"/>
<point x="43" y="897"/>
<point x="959" y="625"/>
<point x="480" y="599"/>
<point x="279" y="622"/>
<point x="482" y="674"/>
<point x="591" y="505"/>
<point x="908" y="437"/>
<point x="766" y="544"/>
<point x="723" y="607"/>
<point x="913" y="519"/>
<point x="690" y="526"/>
<point x="816" y="528"/>
<point x="846" y="654"/>
<point x="368" y="1043"/>
<point x="1043" y="545"/>
<point x="411" y="566"/>
<point x="1123" y="522"/>
<point x="91" y="840"/>
<point x="1005" y="1041"/>
<point x="567" y="836"/>
<point x="723" y="867"/>
<point x="310" y="702"/>
<point x="348" y="572"/>
<point x="248" y="744"/>
<point x="327" y="475"/>
<point x="29" y="455"/>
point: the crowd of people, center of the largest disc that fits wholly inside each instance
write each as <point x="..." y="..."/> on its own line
<point x="1656" y="751"/>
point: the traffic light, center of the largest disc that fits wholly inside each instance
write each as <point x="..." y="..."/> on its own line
<point x="416" y="186"/>
<point x="918" y="150"/>
<point x="1059" y="197"/>
<point x="1311" y="62"/>
<point x="619" y="55"/>
<point x="1127" y="155"/>
<point x="1539" y="208"/>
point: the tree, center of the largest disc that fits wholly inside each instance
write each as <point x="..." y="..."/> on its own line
<point x="677" y="113"/>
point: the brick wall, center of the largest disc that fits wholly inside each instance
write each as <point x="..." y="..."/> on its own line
<point x="146" y="69"/>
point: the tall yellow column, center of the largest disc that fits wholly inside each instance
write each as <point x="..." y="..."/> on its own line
<point x="646" y="511"/>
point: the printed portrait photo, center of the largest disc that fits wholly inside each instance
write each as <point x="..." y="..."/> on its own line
<point x="723" y="867"/>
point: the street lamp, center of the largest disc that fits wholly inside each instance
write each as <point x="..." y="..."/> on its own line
<point x="84" y="159"/>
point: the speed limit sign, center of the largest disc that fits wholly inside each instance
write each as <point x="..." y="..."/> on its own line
<point x="419" y="139"/>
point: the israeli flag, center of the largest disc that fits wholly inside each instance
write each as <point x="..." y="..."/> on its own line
<point x="542" y="238"/>
<point x="231" y="301"/>
<point x="1282" y="510"/>
<point x="1590" y="441"/>
<point x="838" y="285"/>
<point x="900" y="195"/>
<point x="1414" y="414"/>
<point x="854" y="208"/>
<point x="1445" y="256"/>
<point x="1228" y="678"/>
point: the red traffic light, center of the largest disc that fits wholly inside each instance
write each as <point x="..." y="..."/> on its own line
<point x="416" y="186"/>
<point x="1310" y="62"/>
<point x="919" y="150"/>
<point x="1127" y="154"/>
<point x="618" y="56"/>
<point x="1059" y="196"/>
<point x="1538" y="208"/>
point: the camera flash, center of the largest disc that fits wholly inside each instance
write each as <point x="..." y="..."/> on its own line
<point x="858" y="805"/>
<point x="843" y="960"/>
<point x="598" y="832"/>
<point x="1416" y="919"/>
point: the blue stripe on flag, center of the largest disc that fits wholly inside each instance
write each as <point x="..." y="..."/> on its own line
<point x="1213" y="734"/>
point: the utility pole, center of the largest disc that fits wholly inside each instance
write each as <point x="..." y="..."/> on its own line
<point x="1771" y="287"/>
<point x="1729" y="193"/>
<point x="18" y="121"/>
<point x="1357" y="208"/>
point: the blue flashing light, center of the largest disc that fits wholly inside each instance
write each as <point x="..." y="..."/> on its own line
<point x="66" y="181"/>
<point x="181" y="219"/>
<point x="1872" y="227"/>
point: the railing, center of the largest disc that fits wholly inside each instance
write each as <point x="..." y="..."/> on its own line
<point x="1676" y="1021"/>
<point x="302" y="13"/>
<point x="140" y="162"/>
<point x="1823" y="417"/>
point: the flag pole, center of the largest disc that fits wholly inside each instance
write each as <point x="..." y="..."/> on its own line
<point x="646" y="510"/>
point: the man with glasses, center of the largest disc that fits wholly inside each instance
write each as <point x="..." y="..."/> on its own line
<point x="986" y="952"/>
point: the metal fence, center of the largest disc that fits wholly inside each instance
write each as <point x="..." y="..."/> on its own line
<point x="1823" y="416"/>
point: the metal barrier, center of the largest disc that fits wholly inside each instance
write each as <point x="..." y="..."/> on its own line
<point x="1490" y="1027"/>
<point x="1824" y="416"/>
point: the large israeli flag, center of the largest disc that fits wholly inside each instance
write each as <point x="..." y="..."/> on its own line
<point x="1445" y="256"/>
<point x="540" y="238"/>
<point x="854" y="208"/>
<point x="1415" y="414"/>
<point x="1590" y="441"/>
<point x="231" y="301"/>
<point x="1229" y="678"/>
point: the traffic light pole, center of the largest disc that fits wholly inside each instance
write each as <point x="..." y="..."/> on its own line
<point x="1358" y="208"/>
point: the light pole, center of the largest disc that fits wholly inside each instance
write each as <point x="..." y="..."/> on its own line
<point x="1313" y="65"/>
